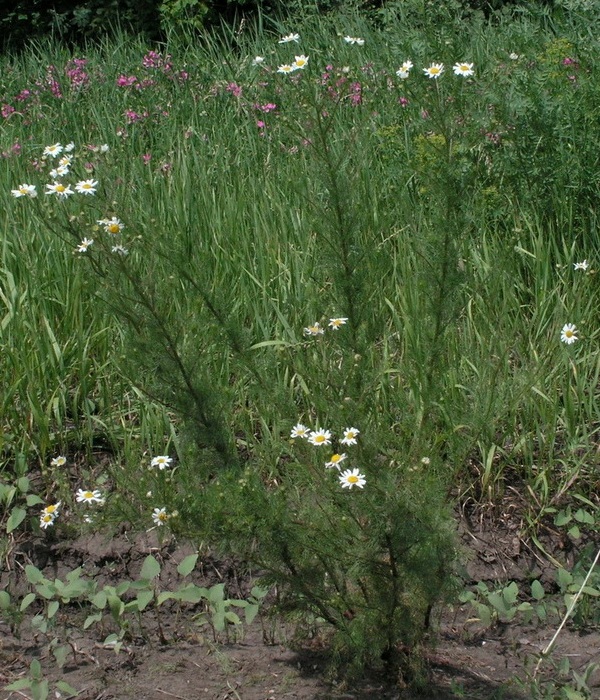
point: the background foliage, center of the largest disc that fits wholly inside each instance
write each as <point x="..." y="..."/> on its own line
<point x="78" y="22"/>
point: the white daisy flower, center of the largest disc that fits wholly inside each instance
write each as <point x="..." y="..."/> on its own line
<point x="60" y="190"/>
<point x="83" y="496"/>
<point x="53" y="150"/>
<point x="315" y="329"/>
<point x="288" y="38"/>
<point x="350" y="435"/>
<point x="113" y="225"/>
<point x="104" y="148"/>
<point x="52" y="509"/>
<point x="285" y="68"/>
<point x="335" y="323"/>
<point x="354" y="40"/>
<point x="351" y="478"/>
<point x="46" y="520"/>
<point x="61" y="171"/>
<point x="300" y="62"/>
<point x="335" y="461"/>
<point x="257" y="60"/>
<point x="161" y="462"/>
<point x="69" y="147"/>
<point x="434" y="70"/>
<point x="568" y="333"/>
<point x="119" y="249"/>
<point x="84" y="245"/>
<point x="160" y="516"/>
<point x="59" y="461"/>
<point x="24" y="191"/>
<point x="583" y="265"/>
<point x="464" y="69"/>
<point x="320" y="437"/>
<point x="300" y="431"/>
<point x="86" y="186"/>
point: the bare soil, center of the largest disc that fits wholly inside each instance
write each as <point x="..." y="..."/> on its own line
<point x="271" y="661"/>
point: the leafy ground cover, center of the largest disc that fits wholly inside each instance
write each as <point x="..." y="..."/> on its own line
<point x="274" y="659"/>
<point x="298" y="293"/>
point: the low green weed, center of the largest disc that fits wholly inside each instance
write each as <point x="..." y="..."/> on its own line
<point x="15" y="499"/>
<point x="123" y="605"/>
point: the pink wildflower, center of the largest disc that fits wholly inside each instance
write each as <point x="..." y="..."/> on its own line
<point x="355" y="93"/>
<point x="126" y="80"/>
<point x="234" y="89"/>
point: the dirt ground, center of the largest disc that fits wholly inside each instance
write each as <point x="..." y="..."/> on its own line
<point x="269" y="662"/>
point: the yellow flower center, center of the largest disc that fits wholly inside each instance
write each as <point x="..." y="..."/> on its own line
<point x="114" y="228"/>
<point x="89" y="495"/>
<point x="60" y="188"/>
<point x="336" y="458"/>
<point x="352" y="479"/>
<point x="569" y="334"/>
<point x="319" y="438"/>
<point x="162" y="517"/>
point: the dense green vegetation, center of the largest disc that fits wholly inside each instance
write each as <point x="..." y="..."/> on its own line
<point x="230" y="264"/>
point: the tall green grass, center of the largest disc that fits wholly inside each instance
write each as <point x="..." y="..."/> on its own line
<point x="440" y="218"/>
<point x="444" y="227"/>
